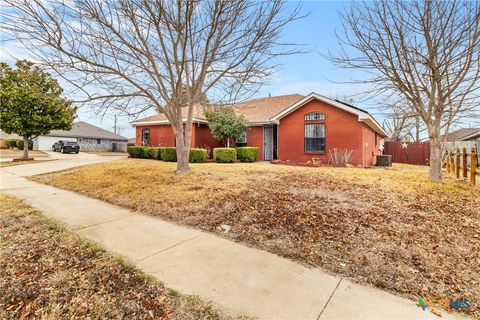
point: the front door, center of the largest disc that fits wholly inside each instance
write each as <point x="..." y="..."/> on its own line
<point x="268" y="143"/>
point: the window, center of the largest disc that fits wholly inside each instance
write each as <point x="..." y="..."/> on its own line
<point x="242" y="141"/>
<point x="315" y="116"/>
<point x="314" y="137"/>
<point x="146" y="137"/>
<point x="99" y="141"/>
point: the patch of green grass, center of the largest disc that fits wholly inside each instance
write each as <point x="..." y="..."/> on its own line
<point x="172" y="293"/>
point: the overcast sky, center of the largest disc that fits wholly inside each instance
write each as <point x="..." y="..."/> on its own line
<point x="302" y="74"/>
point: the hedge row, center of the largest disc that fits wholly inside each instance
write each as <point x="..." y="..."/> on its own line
<point x="168" y="154"/>
<point x="228" y="155"/>
<point x="17" y="143"/>
<point x="197" y="155"/>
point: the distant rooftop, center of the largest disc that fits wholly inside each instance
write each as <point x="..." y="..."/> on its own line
<point x="461" y="134"/>
<point x="83" y="129"/>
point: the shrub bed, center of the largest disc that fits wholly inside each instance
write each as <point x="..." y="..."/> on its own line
<point x="151" y="153"/>
<point x="247" y="154"/>
<point x="20" y="144"/>
<point x="169" y="154"/>
<point x="12" y="143"/>
<point x="136" y="152"/>
<point x="158" y="154"/>
<point x="197" y="155"/>
<point x="224" y="155"/>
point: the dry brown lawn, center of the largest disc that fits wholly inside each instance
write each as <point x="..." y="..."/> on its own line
<point x="390" y="228"/>
<point x="108" y="153"/>
<point x="47" y="272"/>
<point x="15" y="153"/>
<point x="16" y="163"/>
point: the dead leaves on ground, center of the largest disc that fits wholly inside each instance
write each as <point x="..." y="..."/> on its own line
<point x="46" y="272"/>
<point x="388" y="228"/>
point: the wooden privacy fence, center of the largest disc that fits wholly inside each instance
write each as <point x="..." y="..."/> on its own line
<point x="408" y="152"/>
<point x="463" y="162"/>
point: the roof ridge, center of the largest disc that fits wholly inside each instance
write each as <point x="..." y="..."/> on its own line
<point x="270" y="97"/>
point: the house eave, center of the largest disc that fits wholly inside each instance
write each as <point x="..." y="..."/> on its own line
<point x="474" y="135"/>
<point x="163" y="122"/>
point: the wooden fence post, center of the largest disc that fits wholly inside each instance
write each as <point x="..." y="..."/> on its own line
<point x="464" y="163"/>
<point x="447" y="163"/>
<point x="452" y="164"/>
<point x="473" y="166"/>
<point x="457" y="163"/>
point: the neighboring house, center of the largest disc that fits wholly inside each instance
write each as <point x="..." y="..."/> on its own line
<point x="462" y="138"/>
<point x="288" y="128"/>
<point x="88" y="136"/>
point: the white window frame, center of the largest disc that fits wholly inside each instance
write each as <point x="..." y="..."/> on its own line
<point x="243" y="138"/>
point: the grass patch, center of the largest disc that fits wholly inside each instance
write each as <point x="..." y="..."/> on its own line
<point x="387" y="227"/>
<point x="15" y="153"/>
<point x="47" y="272"/>
<point x="108" y="153"/>
<point x="17" y="163"/>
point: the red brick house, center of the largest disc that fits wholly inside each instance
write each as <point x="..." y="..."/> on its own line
<point x="290" y="127"/>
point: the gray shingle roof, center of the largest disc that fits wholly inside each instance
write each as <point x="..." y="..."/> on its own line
<point x="83" y="129"/>
<point x="460" y="134"/>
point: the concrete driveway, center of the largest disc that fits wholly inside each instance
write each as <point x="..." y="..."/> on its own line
<point x="62" y="162"/>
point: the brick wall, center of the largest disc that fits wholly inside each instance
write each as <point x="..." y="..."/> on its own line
<point x="87" y="144"/>
<point x="343" y="131"/>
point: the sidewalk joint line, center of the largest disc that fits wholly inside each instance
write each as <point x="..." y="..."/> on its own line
<point x="172" y="246"/>
<point x="330" y="298"/>
<point x="102" y="222"/>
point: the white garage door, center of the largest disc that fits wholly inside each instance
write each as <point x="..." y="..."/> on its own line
<point x="46" y="143"/>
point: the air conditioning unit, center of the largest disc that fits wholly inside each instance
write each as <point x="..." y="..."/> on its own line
<point x="384" y="161"/>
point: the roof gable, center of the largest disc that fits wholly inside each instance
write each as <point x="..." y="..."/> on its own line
<point x="363" y="116"/>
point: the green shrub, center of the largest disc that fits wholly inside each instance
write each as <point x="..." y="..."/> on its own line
<point x="12" y="143"/>
<point x="136" y="152"/>
<point x="169" y="154"/>
<point x="20" y="144"/>
<point x="151" y="153"/>
<point x="197" y="155"/>
<point x="247" y="154"/>
<point x="158" y="155"/>
<point x="224" y="155"/>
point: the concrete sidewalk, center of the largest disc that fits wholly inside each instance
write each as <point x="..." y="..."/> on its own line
<point x="238" y="278"/>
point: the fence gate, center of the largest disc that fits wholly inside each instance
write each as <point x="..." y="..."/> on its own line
<point x="408" y="152"/>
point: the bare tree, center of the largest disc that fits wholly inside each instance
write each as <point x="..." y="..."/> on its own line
<point x="401" y="122"/>
<point x="134" y="55"/>
<point x="425" y="52"/>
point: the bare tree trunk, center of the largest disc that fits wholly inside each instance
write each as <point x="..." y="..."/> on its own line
<point x="228" y="143"/>
<point x="183" y="151"/>
<point x="25" y="148"/>
<point x="435" y="171"/>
